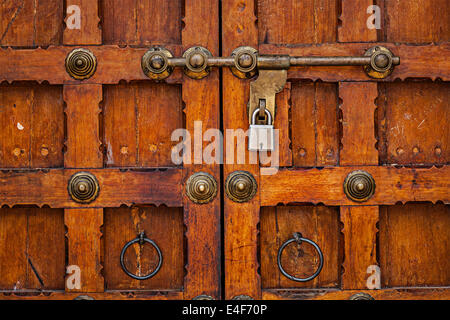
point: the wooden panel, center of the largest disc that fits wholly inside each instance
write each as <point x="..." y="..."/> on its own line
<point x="32" y="241"/>
<point x="424" y="61"/>
<point x="385" y="294"/>
<point x="111" y="295"/>
<point x="314" y="124"/>
<point x="31" y="23"/>
<point x="150" y="112"/>
<point x="317" y="223"/>
<point x="32" y="122"/>
<point x="415" y="245"/>
<point x="83" y="141"/>
<point x="413" y="120"/>
<point x="325" y="185"/>
<point x="358" y="124"/>
<point x="360" y="244"/>
<point x="417" y="21"/>
<point x="354" y="22"/>
<point x="142" y="22"/>
<point x="83" y="236"/>
<point x="307" y="21"/>
<point x="89" y="31"/>
<point x="160" y="224"/>
<point x="117" y="187"/>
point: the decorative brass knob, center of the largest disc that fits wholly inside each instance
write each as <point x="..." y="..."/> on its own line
<point x="155" y="63"/>
<point x="197" y="62"/>
<point x="381" y="62"/>
<point x="359" y="186"/>
<point x="242" y="297"/>
<point x="83" y="187"/>
<point x="201" y="187"/>
<point x="245" y="62"/>
<point x="361" y="296"/>
<point x="203" y="297"/>
<point x="81" y="64"/>
<point x="240" y="186"/>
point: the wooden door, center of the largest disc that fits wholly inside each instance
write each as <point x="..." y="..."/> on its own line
<point x="334" y="121"/>
<point x="115" y="125"/>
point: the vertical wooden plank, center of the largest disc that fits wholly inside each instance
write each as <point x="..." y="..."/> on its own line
<point x="202" y="103"/>
<point x="48" y="26"/>
<point x="354" y="22"/>
<point x="16" y="19"/>
<point x="89" y="31"/>
<point x="359" y="244"/>
<point x="282" y="123"/>
<point x="358" y="124"/>
<point x="83" y="141"/>
<point x="240" y="219"/>
<point x="83" y="234"/>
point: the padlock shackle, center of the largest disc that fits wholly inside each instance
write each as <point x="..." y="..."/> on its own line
<point x="269" y="116"/>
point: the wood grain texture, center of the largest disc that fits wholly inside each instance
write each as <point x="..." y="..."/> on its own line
<point x="117" y="187"/>
<point x="413" y="123"/>
<point x="314" y="124"/>
<point x="89" y="31"/>
<point x="240" y="219"/>
<point x="318" y="223"/>
<point x="418" y="21"/>
<point x="307" y="21"/>
<point x="416" y="61"/>
<point x="161" y="224"/>
<point x="202" y="103"/>
<point x="150" y="112"/>
<point x="31" y="238"/>
<point x="27" y="23"/>
<point x="354" y="18"/>
<point x="135" y="22"/>
<point x="359" y="229"/>
<point x="414" y="245"/>
<point x="358" y="123"/>
<point x="83" y="139"/>
<point x="31" y="118"/>
<point x="110" y="295"/>
<point x="83" y="236"/>
<point x="384" y="294"/>
<point x="326" y="185"/>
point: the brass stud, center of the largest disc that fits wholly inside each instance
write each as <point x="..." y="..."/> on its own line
<point x="155" y="63"/>
<point x="203" y="297"/>
<point x="83" y="187"/>
<point x="381" y="62"/>
<point x="81" y="64"/>
<point x="240" y="186"/>
<point x="361" y="296"/>
<point x="201" y="187"/>
<point x="245" y="62"/>
<point x="242" y="297"/>
<point x="359" y="186"/>
<point x="197" y="62"/>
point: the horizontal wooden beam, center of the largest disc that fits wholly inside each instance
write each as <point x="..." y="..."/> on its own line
<point x="116" y="188"/>
<point x="335" y="294"/>
<point x="416" y="61"/>
<point x="109" y="295"/>
<point x="325" y="185"/>
<point x="113" y="64"/>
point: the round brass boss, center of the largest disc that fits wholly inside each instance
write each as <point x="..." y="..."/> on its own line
<point x="201" y="187"/>
<point x="361" y="296"/>
<point x="359" y="186"/>
<point x="81" y="64"/>
<point x="245" y="62"/>
<point x="197" y="62"/>
<point x="381" y="64"/>
<point x="240" y="186"/>
<point x="155" y="63"/>
<point x="83" y="187"/>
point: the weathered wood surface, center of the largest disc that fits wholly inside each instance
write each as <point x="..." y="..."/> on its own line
<point x="117" y="187"/>
<point x="326" y="185"/>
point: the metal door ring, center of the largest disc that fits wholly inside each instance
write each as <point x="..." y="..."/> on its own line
<point x="299" y="239"/>
<point x="141" y="239"/>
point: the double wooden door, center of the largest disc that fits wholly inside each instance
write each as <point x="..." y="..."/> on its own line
<point x="86" y="153"/>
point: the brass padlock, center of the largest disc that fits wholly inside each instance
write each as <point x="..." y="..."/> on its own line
<point x="261" y="136"/>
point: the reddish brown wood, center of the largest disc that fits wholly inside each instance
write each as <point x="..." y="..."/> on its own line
<point x="326" y="185"/>
<point x="109" y="295"/>
<point x="50" y="188"/>
<point x="89" y="31"/>
<point x="358" y="124"/>
<point x="354" y="18"/>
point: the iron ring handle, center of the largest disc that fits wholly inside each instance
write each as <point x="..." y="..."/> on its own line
<point x="298" y="238"/>
<point x="141" y="239"/>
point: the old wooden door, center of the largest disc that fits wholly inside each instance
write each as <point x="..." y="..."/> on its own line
<point x="334" y="121"/>
<point x="58" y="133"/>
